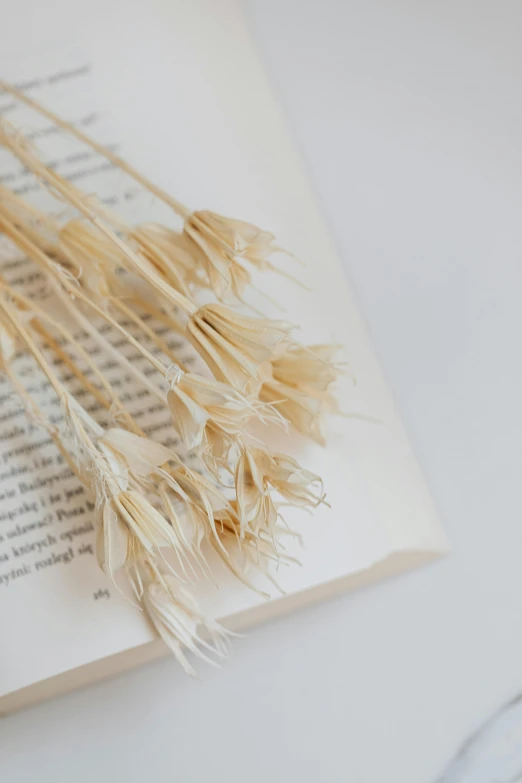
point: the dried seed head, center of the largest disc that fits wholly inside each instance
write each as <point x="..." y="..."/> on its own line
<point x="143" y="521"/>
<point x="172" y="254"/>
<point x="244" y="552"/>
<point x="222" y="244"/>
<point x="230" y="237"/>
<point x="235" y="345"/>
<point x="195" y="402"/>
<point x="93" y="256"/>
<point x="189" y="522"/>
<point x="256" y="507"/>
<point x="309" y="368"/>
<point x="127" y="522"/>
<point x="178" y="619"/>
<point x="298" y="381"/>
<point x="215" y="450"/>
<point x="258" y="473"/>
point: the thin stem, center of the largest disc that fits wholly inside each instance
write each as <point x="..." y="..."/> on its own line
<point x="64" y="188"/>
<point x="33" y="349"/>
<point x="42" y="362"/>
<point x="34" y="308"/>
<point x="28" y="209"/>
<point x="89" y="328"/>
<point x="101" y="399"/>
<point x="129" y="313"/>
<point x="158" y="314"/>
<point x="34" y="252"/>
<point x="64" y="357"/>
<point x="37" y="414"/>
<point x="162" y="261"/>
<point x="177" y="206"/>
<point x="54" y="250"/>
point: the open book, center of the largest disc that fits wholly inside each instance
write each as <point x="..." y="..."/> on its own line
<point x="181" y="91"/>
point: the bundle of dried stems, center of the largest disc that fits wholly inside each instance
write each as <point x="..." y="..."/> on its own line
<point x="157" y="518"/>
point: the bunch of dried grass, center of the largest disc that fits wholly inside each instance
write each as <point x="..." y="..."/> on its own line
<point x="157" y="518"/>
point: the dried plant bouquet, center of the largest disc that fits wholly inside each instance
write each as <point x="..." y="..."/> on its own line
<point x="160" y="513"/>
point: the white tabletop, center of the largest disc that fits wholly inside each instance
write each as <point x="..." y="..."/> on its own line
<point x="410" y="118"/>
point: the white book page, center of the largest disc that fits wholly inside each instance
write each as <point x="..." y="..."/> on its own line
<point x="189" y="102"/>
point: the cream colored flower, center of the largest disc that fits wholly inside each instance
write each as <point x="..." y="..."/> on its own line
<point x="172" y="254"/>
<point x="245" y="553"/>
<point x="235" y="345"/>
<point x="298" y="380"/>
<point x="258" y="473"/>
<point x="190" y="502"/>
<point x="93" y="257"/>
<point x="309" y="368"/>
<point x="189" y="522"/>
<point x="224" y="243"/>
<point x="256" y="507"/>
<point x="140" y="454"/>
<point x="177" y="618"/>
<point x="216" y="450"/>
<point x="195" y="402"/>
<point x="204" y="498"/>
<point x="125" y="515"/>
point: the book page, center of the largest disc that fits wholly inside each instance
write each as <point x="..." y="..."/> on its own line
<point x="189" y="105"/>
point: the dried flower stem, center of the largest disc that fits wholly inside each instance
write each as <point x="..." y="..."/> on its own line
<point x="120" y="305"/>
<point x="34" y="412"/>
<point x="173" y="203"/>
<point x="85" y="324"/>
<point x="39" y="328"/>
<point x="66" y="191"/>
<point x="64" y="357"/>
<point x="34" y="252"/>
<point x="156" y="313"/>
<point x="259" y="370"/>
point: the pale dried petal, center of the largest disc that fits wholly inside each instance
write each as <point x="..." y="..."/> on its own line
<point x="298" y="381"/>
<point x="297" y="407"/>
<point x="234" y="345"/>
<point x="148" y="526"/>
<point x="170" y="253"/>
<point x="257" y="473"/>
<point x="189" y="525"/>
<point x="197" y="402"/>
<point x="141" y="454"/>
<point x="112" y="540"/>
<point x="306" y="368"/>
<point x="232" y="236"/>
<point x="177" y="618"/>
<point x="189" y="418"/>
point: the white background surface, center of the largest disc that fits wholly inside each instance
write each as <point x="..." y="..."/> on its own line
<point x="410" y="118"/>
